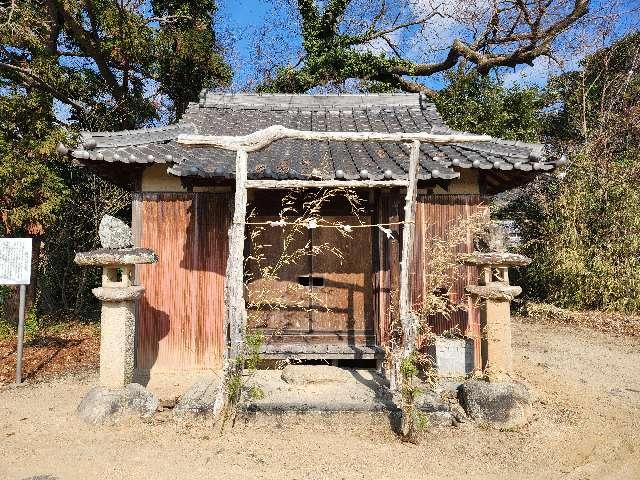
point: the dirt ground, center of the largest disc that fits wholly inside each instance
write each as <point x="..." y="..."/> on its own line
<point x="586" y="426"/>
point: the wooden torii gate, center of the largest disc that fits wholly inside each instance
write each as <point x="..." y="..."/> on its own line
<point x="235" y="320"/>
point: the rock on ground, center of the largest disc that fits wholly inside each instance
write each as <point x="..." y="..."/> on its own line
<point x="199" y="398"/>
<point x="114" y="233"/>
<point x="140" y="400"/>
<point x="314" y="374"/>
<point x="440" y="419"/>
<point x="504" y="405"/>
<point x="429" y="402"/>
<point x="101" y="404"/>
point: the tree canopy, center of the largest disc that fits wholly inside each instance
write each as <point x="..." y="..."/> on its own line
<point x="345" y="39"/>
<point x="65" y="66"/>
<point x="482" y="104"/>
<point x="31" y="191"/>
<point x="114" y="64"/>
<point x="99" y="65"/>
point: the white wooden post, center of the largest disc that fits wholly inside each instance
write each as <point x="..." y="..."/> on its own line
<point x="235" y="316"/>
<point x="408" y="321"/>
<point x="235" y="313"/>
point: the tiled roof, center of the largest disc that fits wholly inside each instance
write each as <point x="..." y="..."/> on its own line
<point x="227" y="114"/>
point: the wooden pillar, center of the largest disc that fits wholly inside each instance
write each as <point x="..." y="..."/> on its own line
<point x="388" y="254"/>
<point x="393" y="257"/>
<point x="235" y="312"/>
<point x="408" y="320"/>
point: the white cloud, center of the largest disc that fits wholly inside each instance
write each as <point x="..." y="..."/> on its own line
<point x="537" y="74"/>
<point x="452" y="20"/>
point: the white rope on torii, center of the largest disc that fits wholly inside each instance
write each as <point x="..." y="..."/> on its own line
<point x="235" y="322"/>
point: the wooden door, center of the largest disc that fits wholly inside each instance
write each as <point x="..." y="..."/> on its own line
<point x="318" y="299"/>
<point x="276" y="301"/>
<point x="341" y="287"/>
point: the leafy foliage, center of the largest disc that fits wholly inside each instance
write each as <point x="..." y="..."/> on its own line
<point x="112" y="63"/>
<point x="481" y="104"/>
<point x="581" y="226"/>
<point x="63" y="285"/>
<point x="583" y="232"/>
<point x="101" y="65"/>
<point x="608" y="83"/>
<point x="330" y="56"/>
<point x="32" y="193"/>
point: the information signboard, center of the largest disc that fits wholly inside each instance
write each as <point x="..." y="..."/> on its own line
<point x="15" y="261"/>
<point x="15" y="269"/>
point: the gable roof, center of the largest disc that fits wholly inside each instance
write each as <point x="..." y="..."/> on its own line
<point x="241" y="114"/>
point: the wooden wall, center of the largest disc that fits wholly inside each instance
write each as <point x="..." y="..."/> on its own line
<point x="435" y="214"/>
<point x="180" y="316"/>
<point x="386" y="258"/>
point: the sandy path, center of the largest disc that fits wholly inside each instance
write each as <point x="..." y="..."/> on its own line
<point x="587" y="426"/>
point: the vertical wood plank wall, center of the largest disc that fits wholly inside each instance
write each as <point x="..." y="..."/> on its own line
<point x="181" y="313"/>
<point x="386" y="278"/>
<point x="435" y="214"/>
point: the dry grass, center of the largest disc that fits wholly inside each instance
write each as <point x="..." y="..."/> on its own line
<point x="606" y="322"/>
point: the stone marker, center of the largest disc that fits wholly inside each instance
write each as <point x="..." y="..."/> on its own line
<point x="114" y="233"/>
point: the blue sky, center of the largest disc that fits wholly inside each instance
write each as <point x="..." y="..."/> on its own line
<point x="240" y="22"/>
<point x="243" y="18"/>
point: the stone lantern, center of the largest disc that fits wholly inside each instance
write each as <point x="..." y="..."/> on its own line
<point x="495" y="295"/>
<point x="118" y="295"/>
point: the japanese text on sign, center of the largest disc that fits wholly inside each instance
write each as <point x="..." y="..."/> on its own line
<point x="15" y="261"/>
